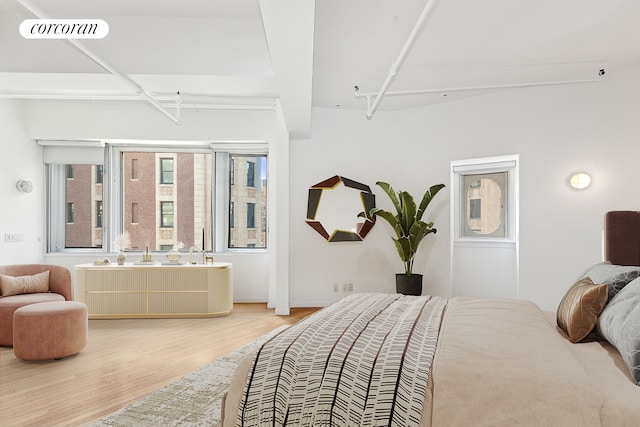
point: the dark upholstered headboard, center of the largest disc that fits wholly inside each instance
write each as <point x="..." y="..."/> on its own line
<point x="622" y="237"/>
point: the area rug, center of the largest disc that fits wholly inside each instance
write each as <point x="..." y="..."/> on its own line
<point x="193" y="400"/>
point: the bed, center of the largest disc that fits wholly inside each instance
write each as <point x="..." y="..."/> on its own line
<point x="376" y="359"/>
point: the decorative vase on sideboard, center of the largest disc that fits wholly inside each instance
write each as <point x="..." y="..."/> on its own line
<point x="120" y="259"/>
<point x="174" y="257"/>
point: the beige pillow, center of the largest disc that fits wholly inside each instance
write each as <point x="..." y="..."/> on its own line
<point x="580" y="307"/>
<point x="10" y="285"/>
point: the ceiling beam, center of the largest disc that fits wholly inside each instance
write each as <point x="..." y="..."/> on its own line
<point x="140" y="91"/>
<point x="289" y="31"/>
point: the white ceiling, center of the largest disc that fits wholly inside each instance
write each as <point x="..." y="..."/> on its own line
<point x="467" y="43"/>
<point x="315" y="55"/>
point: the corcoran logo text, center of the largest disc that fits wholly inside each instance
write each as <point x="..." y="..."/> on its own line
<point x="64" y="28"/>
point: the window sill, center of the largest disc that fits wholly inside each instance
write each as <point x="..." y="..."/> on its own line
<point x="486" y="242"/>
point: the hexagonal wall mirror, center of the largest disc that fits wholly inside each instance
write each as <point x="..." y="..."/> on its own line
<point x="333" y="208"/>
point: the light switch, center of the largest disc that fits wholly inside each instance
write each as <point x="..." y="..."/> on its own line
<point x="13" y="237"/>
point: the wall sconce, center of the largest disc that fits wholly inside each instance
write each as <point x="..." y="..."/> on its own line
<point x="24" y="186"/>
<point x="580" y="180"/>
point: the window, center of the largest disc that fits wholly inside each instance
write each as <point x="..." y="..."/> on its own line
<point x="75" y="215"/>
<point x="485" y="197"/>
<point x="130" y="193"/>
<point x="251" y="167"/>
<point x="231" y="216"/>
<point x="475" y="207"/>
<point x="166" y="171"/>
<point x="75" y="207"/>
<point x="98" y="213"/>
<point x="161" y="215"/>
<point x="248" y="203"/>
<point x="166" y="214"/>
<point x="134" y="168"/>
<point x="134" y="213"/>
<point x="251" y="215"/>
<point x="69" y="213"/>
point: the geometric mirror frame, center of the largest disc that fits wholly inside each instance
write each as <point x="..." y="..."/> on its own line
<point x="330" y="198"/>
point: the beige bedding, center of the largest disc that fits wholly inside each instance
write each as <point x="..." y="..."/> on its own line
<point x="500" y="362"/>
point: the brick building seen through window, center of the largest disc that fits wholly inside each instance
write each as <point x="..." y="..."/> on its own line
<point x="166" y="198"/>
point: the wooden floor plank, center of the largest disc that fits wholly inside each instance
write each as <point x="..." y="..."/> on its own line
<point x="124" y="360"/>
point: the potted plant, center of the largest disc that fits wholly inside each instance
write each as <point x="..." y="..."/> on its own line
<point x="409" y="230"/>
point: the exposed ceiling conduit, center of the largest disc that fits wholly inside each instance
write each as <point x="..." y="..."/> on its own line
<point x="371" y="95"/>
<point x="373" y="98"/>
<point x="166" y="100"/>
<point x="38" y="13"/>
<point x="395" y="67"/>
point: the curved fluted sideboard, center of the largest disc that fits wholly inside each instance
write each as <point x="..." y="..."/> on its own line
<point x="157" y="290"/>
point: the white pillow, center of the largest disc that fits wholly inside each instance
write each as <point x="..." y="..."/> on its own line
<point x="11" y="285"/>
<point x="619" y="323"/>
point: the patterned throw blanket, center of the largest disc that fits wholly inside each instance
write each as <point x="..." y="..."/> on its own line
<point x="363" y="361"/>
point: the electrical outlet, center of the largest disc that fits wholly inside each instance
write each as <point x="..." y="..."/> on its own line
<point x="336" y="287"/>
<point x="13" y="237"/>
<point x="349" y="287"/>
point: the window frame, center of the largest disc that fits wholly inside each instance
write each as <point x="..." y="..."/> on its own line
<point x="500" y="179"/>
<point x="163" y="224"/>
<point x="501" y="164"/>
<point x="56" y="208"/>
<point x="113" y="220"/>
<point x="99" y="213"/>
<point x="223" y="152"/>
<point x="163" y="172"/>
<point x="116" y="196"/>
<point x="99" y="174"/>
<point x="232" y="215"/>
<point x="475" y="208"/>
<point x="251" y="216"/>
<point x="69" y="213"/>
<point x="135" y="207"/>
<point x="251" y="174"/>
<point x="135" y="174"/>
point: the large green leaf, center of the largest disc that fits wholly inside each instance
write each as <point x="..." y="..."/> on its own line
<point x="419" y="231"/>
<point x="391" y="193"/>
<point x="426" y="199"/>
<point x="408" y="211"/>
<point x="390" y="218"/>
<point x="403" y="245"/>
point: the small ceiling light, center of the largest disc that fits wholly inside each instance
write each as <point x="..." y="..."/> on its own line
<point x="580" y="180"/>
<point x="24" y="186"/>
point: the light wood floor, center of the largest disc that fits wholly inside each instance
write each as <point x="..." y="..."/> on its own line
<point x="123" y="361"/>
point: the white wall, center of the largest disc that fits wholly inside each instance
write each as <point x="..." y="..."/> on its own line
<point x="555" y="130"/>
<point x="77" y="120"/>
<point x="345" y="143"/>
<point x="279" y="218"/>
<point x="20" y="212"/>
<point x="114" y="120"/>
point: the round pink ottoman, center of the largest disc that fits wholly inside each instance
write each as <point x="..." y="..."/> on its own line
<point x="50" y="330"/>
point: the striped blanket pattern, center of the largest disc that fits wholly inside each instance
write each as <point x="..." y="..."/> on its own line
<point x="363" y="361"/>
